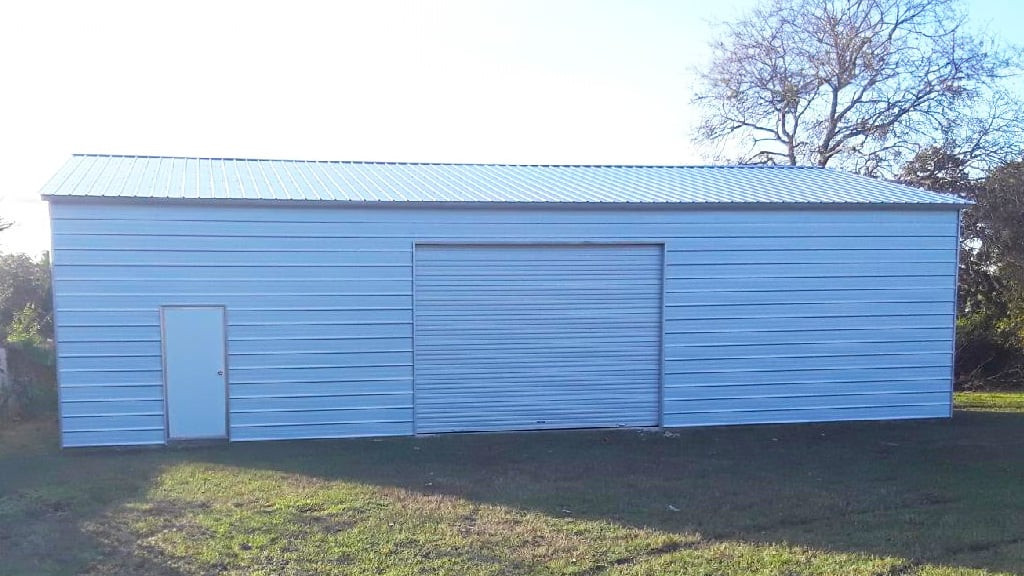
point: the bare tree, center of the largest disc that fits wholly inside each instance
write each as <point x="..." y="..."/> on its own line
<point x="860" y="83"/>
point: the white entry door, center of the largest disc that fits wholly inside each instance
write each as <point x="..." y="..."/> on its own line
<point x="194" y="367"/>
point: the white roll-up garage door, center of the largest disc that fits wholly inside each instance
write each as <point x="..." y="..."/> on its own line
<point x="538" y="336"/>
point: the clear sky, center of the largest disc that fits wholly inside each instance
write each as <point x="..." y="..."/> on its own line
<point x="522" y="81"/>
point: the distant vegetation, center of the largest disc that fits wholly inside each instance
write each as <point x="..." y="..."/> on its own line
<point x="26" y="332"/>
<point x="990" y="326"/>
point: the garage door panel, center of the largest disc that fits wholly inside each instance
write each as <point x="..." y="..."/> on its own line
<point x="537" y="337"/>
<point x="564" y="357"/>
<point x="483" y="329"/>
<point x="484" y="342"/>
<point x="613" y="377"/>
<point x="496" y="387"/>
<point x="584" y="350"/>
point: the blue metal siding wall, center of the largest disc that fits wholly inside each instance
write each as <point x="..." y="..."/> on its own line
<point x="843" y="316"/>
<point x="770" y="315"/>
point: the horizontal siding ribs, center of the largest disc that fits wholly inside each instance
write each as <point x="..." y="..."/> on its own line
<point x="748" y="392"/>
<point x="112" y="437"/>
<point x="799" y="337"/>
<point x="787" y="365"/>
<point x="896" y="412"/>
<point x="336" y="430"/>
<point x="852" y="304"/>
<point x="502" y="231"/>
<point x="802" y="402"/>
<point x="191" y="243"/>
<point x="431" y="215"/>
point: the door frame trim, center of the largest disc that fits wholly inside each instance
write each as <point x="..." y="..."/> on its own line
<point x="163" y="374"/>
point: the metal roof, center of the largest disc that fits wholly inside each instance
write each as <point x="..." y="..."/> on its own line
<point x="156" y="177"/>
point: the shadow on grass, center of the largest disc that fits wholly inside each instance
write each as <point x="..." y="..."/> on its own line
<point x="932" y="492"/>
<point x="935" y="492"/>
<point x="54" y="505"/>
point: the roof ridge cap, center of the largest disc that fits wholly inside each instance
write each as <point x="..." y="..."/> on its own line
<point x="418" y="163"/>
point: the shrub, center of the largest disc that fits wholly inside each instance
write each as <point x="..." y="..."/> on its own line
<point x="32" y="382"/>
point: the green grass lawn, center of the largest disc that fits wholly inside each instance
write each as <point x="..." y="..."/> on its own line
<point x="990" y="401"/>
<point x="927" y="498"/>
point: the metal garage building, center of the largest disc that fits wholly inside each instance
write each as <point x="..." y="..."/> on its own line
<point x="265" y="299"/>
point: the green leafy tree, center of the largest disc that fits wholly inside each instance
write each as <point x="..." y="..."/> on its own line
<point x="25" y="283"/>
<point x="861" y="84"/>
<point x="1000" y="209"/>
<point x="990" y="325"/>
<point x="26" y="328"/>
<point x="939" y="170"/>
<point x="1000" y="213"/>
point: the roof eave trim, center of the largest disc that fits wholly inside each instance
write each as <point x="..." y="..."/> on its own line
<point x="959" y="205"/>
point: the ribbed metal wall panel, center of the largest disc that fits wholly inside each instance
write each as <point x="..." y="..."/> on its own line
<point x="831" y="325"/>
<point x="852" y="305"/>
<point x="537" y="336"/>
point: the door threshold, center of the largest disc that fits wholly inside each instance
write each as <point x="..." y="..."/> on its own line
<point x="197" y="442"/>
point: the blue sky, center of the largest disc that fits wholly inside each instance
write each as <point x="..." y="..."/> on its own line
<point x="520" y="81"/>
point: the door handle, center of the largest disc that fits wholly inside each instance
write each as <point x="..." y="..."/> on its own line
<point x="220" y="372"/>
